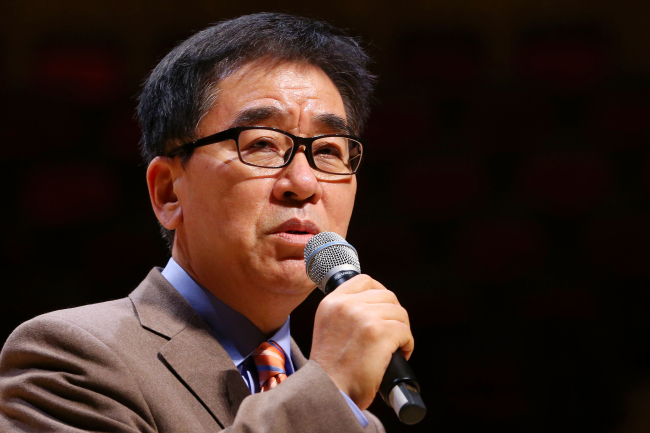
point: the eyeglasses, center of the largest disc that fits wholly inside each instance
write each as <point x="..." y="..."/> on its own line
<point x="261" y="146"/>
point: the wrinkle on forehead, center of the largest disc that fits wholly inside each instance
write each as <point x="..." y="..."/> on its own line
<point x="288" y="77"/>
<point x="300" y="91"/>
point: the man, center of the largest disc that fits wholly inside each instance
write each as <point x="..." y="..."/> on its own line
<point x="239" y="187"/>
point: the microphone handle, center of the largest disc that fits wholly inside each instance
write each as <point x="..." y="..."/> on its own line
<point x="399" y="387"/>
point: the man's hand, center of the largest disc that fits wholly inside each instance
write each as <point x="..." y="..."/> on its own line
<point x="357" y="329"/>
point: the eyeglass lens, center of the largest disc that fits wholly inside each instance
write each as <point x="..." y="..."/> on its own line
<point x="266" y="148"/>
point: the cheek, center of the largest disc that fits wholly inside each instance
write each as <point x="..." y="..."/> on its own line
<point x="245" y="203"/>
<point x="223" y="202"/>
<point x="339" y="202"/>
<point x="242" y="205"/>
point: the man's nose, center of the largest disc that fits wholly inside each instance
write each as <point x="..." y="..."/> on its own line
<point x="298" y="182"/>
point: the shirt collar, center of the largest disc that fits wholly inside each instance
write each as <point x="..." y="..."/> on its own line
<point x="238" y="335"/>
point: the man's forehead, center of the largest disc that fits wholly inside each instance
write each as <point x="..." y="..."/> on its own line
<point x="278" y="93"/>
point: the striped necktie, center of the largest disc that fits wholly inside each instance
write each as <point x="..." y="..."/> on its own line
<point x="269" y="359"/>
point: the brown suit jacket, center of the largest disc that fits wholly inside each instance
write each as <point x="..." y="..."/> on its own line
<point x="148" y="363"/>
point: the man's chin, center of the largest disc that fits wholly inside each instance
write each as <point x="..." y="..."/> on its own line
<point x="292" y="277"/>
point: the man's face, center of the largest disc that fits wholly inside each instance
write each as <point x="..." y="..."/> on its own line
<point x="244" y="226"/>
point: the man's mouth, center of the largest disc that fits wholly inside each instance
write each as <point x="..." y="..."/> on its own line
<point x="297" y="230"/>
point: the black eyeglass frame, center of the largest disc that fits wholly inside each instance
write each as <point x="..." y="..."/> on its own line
<point x="233" y="134"/>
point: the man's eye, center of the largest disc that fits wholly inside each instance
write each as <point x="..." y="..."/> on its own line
<point x="261" y="145"/>
<point x="328" y="149"/>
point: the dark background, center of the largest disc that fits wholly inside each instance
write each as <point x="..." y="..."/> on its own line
<point x="504" y="197"/>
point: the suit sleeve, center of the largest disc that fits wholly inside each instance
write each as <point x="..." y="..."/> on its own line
<point x="307" y="401"/>
<point x="57" y="377"/>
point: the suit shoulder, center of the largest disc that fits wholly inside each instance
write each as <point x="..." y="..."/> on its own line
<point x="87" y="315"/>
<point x="96" y="319"/>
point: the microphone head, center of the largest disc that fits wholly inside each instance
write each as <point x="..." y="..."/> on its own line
<point x="327" y="251"/>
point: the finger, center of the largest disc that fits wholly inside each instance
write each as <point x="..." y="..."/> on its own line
<point x="374" y="297"/>
<point x="406" y="341"/>
<point x="407" y="355"/>
<point x="359" y="283"/>
<point x="389" y="312"/>
<point x="397" y="336"/>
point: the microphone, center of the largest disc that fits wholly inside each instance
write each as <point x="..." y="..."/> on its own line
<point x="331" y="261"/>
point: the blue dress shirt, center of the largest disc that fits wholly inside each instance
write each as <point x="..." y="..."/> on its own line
<point x="238" y="335"/>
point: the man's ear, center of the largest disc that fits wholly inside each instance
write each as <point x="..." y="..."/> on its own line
<point x="165" y="202"/>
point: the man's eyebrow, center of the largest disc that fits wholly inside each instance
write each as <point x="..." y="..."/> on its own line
<point x="252" y="116"/>
<point x="333" y="122"/>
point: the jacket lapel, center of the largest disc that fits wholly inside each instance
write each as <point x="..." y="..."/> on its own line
<point x="192" y="353"/>
<point x="200" y="362"/>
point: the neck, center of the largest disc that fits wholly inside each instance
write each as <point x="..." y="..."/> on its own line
<point x="266" y="309"/>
